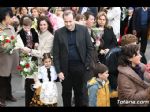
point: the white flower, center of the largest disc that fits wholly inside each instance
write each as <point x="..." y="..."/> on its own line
<point x="1" y="38"/>
<point x="7" y="38"/>
<point x="26" y="69"/>
<point x="11" y="51"/>
<point x="22" y="62"/>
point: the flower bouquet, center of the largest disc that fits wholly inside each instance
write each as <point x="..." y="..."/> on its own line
<point x="7" y="43"/>
<point x="97" y="34"/>
<point x="27" y="67"/>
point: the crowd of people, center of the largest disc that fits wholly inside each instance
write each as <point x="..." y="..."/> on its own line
<point x="96" y="52"/>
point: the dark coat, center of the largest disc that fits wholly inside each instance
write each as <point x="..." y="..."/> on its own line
<point x="109" y="42"/>
<point x="131" y="87"/>
<point x="34" y="36"/>
<point x="60" y="48"/>
<point x="94" y="10"/>
<point x="137" y="18"/>
<point x="111" y="61"/>
<point x="124" y="24"/>
<point x="109" y="38"/>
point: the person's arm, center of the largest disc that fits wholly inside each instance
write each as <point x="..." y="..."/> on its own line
<point x="134" y="22"/>
<point x="47" y="47"/>
<point x="53" y="73"/>
<point x="19" y="43"/>
<point x="114" y="39"/>
<point x="128" y="90"/>
<point x="56" y="53"/>
<point x="89" y="48"/>
<point x="92" y="96"/>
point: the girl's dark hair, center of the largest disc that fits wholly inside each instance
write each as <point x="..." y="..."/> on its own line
<point x="127" y="52"/>
<point x="88" y="14"/>
<point x="45" y="18"/>
<point x="4" y="11"/>
<point x="46" y="56"/>
<point x="99" y="68"/>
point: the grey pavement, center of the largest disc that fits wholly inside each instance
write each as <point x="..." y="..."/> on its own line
<point x="18" y="87"/>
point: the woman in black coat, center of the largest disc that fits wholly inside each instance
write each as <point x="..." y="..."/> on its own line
<point x="107" y="37"/>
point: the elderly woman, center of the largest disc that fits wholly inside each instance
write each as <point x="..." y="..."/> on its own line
<point x="132" y="91"/>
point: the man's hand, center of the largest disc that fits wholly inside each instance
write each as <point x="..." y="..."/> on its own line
<point x="61" y="76"/>
<point x="134" y="32"/>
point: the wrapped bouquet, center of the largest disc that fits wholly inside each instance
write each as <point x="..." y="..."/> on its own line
<point x="97" y="34"/>
<point x="7" y="43"/>
<point x="27" y="67"/>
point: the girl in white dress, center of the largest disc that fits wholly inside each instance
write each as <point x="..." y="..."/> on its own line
<point x="46" y="79"/>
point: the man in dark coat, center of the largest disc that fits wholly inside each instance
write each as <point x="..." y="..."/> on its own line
<point x="72" y="54"/>
<point x="141" y="20"/>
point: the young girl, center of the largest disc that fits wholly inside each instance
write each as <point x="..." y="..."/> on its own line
<point x="98" y="87"/>
<point x="46" y="77"/>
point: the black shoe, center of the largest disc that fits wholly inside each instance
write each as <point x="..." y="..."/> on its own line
<point x="13" y="99"/>
<point x="2" y="104"/>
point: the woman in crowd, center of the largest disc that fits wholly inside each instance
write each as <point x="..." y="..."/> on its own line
<point x="106" y="37"/>
<point x="35" y="14"/>
<point x="8" y="62"/>
<point x="23" y="11"/>
<point x="45" y="45"/>
<point x="45" y="39"/>
<point x="131" y="87"/>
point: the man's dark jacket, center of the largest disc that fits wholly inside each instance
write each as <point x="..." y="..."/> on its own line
<point x="60" y="48"/>
<point x="137" y="18"/>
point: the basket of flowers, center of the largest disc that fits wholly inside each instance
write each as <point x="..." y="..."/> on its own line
<point x="7" y="43"/>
